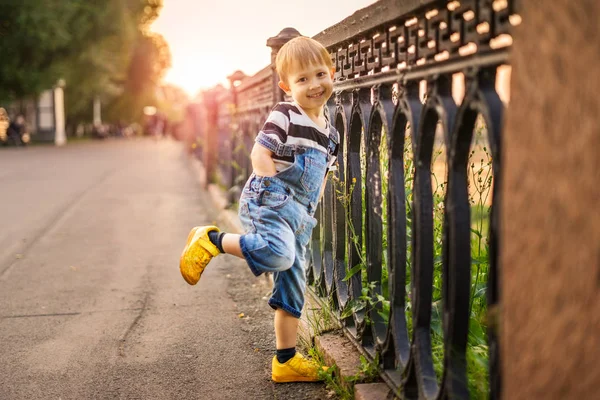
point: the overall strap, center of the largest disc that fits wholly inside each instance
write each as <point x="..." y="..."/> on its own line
<point x="334" y="144"/>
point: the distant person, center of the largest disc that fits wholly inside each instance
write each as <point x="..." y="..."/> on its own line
<point x="159" y="126"/>
<point x="4" y="123"/>
<point x="290" y="158"/>
<point x="16" y="131"/>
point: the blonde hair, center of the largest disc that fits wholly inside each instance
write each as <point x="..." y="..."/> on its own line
<point x="303" y="52"/>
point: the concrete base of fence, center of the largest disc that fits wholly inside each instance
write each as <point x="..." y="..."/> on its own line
<point x="338" y="350"/>
<point x="372" y="391"/>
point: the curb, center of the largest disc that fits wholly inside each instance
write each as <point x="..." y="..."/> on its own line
<point x="336" y="348"/>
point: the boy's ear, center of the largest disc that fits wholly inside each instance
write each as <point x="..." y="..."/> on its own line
<point x="284" y="86"/>
<point x="332" y="72"/>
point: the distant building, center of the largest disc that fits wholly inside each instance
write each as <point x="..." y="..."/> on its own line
<point x="44" y="116"/>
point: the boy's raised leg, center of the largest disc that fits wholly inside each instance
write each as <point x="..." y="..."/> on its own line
<point x="231" y="244"/>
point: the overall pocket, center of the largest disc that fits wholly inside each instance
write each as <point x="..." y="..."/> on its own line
<point x="273" y="200"/>
<point x="273" y="194"/>
<point x="304" y="231"/>
<point x="313" y="174"/>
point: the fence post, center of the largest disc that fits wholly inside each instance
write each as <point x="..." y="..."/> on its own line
<point x="275" y="43"/>
<point x="210" y="122"/>
<point x="60" y="136"/>
<point x="236" y="136"/>
<point x="550" y="227"/>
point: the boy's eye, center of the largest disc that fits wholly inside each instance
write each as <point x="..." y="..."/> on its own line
<point x="321" y="74"/>
<point x="301" y="79"/>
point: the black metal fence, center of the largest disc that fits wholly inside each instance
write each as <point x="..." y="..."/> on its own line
<point x="398" y="65"/>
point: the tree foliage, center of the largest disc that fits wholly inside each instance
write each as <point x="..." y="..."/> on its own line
<point x="100" y="48"/>
<point x="35" y="36"/>
<point x="150" y="58"/>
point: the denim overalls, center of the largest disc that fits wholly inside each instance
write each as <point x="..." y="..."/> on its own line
<point x="277" y="215"/>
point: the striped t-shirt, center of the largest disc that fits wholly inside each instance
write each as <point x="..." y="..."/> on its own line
<point x="288" y="124"/>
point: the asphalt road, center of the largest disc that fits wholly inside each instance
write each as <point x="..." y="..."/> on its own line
<point x="92" y="305"/>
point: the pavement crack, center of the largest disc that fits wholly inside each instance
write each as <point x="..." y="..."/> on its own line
<point x="133" y="325"/>
<point x="40" y="315"/>
<point x="66" y="314"/>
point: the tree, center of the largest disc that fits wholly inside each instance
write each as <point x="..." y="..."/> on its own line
<point x="97" y="47"/>
<point x="36" y="36"/>
<point x="100" y="68"/>
<point x="123" y="69"/>
<point x="150" y="59"/>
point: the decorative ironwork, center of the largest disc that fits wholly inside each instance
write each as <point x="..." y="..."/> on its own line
<point x="431" y="44"/>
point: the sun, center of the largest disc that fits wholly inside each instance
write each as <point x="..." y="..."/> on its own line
<point x="181" y="81"/>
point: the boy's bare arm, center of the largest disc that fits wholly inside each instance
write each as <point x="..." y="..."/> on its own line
<point x="262" y="161"/>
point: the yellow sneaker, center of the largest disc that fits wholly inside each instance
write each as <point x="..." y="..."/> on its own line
<point x="296" y="369"/>
<point x="197" y="253"/>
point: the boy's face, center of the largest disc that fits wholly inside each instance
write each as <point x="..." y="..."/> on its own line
<point x="310" y="87"/>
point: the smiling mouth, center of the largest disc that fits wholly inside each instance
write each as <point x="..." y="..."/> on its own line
<point x="314" y="96"/>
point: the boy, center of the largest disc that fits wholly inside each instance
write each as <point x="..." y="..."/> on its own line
<point x="290" y="158"/>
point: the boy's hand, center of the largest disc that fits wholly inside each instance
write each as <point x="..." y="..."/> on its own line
<point x="262" y="161"/>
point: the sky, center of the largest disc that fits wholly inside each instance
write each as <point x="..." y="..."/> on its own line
<point x="210" y="40"/>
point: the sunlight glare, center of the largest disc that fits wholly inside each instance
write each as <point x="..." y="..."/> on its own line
<point x="209" y="41"/>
